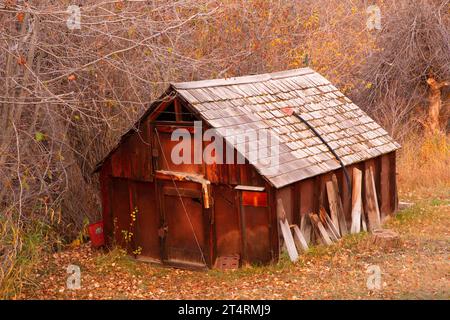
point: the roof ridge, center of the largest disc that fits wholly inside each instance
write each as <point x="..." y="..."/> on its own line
<point x="241" y="79"/>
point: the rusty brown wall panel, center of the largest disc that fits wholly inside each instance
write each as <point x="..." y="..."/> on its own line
<point x="345" y="192"/>
<point x="274" y="238"/>
<point x="105" y="192"/>
<point x="385" y="208"/>
<point x="165" y="159"/>
<point x="306" y="196"/>
<point x="232" y="174"/>
<point x="147" y="220"/>
<point x="120" y="207"/>
<point x="132" y="159"/>
<point x="257" y="234"/>
<point x="243" y="174"/>
<point x="377" y="177"/>
<point x="323" y="196"/>
<point x="185" y="239"/>
<point x="226" y="221"/>
<point x="286" y="196"/>
<point x="393" y="181"/>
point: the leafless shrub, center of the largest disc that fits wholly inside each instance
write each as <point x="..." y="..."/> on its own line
<point x="413" y="45"/>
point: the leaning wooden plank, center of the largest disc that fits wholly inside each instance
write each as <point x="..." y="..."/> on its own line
<point x="363" y="220"/>
<point x="299" y="239"/>
<point x="286" y="232"/>
<point x="341" y="215"/>
<point x="305" y="227"/>
<point x="289" y="240"/>
<point x="356" y="201"/>
<point x="326" y="221"/>
<point x="333" y="204"/>
<point x="372" y="210"/>
<point x="323" y="233"/>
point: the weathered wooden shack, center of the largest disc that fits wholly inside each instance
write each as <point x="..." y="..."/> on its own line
<point x="189" y="214"/>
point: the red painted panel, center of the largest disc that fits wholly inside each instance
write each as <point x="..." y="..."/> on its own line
<point x="254" y="198"/>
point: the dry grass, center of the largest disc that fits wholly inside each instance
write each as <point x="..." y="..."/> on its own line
<point x="424" y="167"/>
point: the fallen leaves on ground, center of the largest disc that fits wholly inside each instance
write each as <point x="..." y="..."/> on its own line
<point x="418" y="269"/>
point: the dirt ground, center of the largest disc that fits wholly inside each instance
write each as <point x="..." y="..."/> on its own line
<point x="418" y="269"/>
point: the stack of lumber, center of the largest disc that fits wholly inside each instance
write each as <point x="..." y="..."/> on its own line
<point x="365" y="213"/>
<point x="327" y="227"/>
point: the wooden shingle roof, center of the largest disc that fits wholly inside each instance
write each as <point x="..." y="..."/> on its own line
<point x="256" y="102"/>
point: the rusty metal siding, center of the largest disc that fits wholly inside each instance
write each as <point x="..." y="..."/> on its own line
<point x="148" y="220"/>
<point x="226" y="221"/>
<point x="132" y="158"/>
<point x="121" y="210"/>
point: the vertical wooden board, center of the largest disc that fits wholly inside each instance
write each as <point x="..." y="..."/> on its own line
<point x="185" y="239"/>
<point x="256" y="178"/>
<point x="333" y="204"/>
<point x="377" y="177"/>
<point x="340" y="210"/>
<point x="296" y="203"/>
<point x="306" y="196"/>
<point x="316" y="194"/>
<point x="363" y="220"/>
<point x="273" y="226"/>
<point x="144" y="160"/>
<point x="322" y="199"/>
<point x="211" y="173"/>
<point x="125" y="159"/>
<point x="306" y="228"/>
<point x="105" y="190"/>
<point x="385" y="194"/>
<point x="356" y="201"/>
<point x="136" y="156"/>
<point x="347" y="195"/>
<point x="120" y="207"/>
<point x="257" y="234"/>
<point x="224" y="174"/>
<point x="286" y="231"/>
<point x="117" y="163"/>
<point x="285" y="194"/>
<point x="226" y="221"/>
<point x="148" y="148"/>
<point x="244" y="174"/>
<point x="372" y="210"/>
<point x="211" y="165"/>
<point x="147" y="222"/>
<point x="393" y="181"/>
<point x="232" y="172"/>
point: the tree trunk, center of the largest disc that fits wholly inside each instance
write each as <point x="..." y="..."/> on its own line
<point x="435" y="103"/>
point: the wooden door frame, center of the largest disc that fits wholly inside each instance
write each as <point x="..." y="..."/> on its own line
<point x="207" y="229"/>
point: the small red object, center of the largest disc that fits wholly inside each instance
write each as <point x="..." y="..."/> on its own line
<point x="96" y="234"/>
<point x="288" y="110"/>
